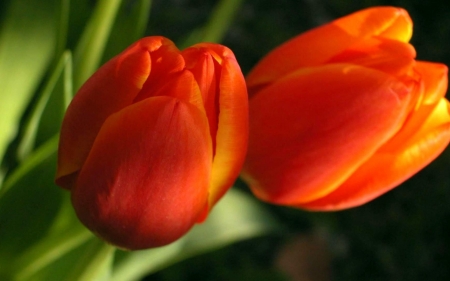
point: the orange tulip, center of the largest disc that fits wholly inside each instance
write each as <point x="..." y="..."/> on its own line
<point x="343" y="113"/>
<point x="153" y="140"/>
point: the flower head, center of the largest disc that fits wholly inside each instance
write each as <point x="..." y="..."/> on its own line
<point x="343" y="113"/>
<point x="153" y="140"/>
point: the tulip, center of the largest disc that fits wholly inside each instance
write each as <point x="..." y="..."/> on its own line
<point x="153" y="140"/>
<point x="344" y="113"/>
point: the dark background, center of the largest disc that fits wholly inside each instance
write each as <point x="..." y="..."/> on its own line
<point x="403" y="235"/>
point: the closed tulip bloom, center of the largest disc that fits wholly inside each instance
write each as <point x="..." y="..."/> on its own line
<point x="343" y="113"/>
<point x="153" y="140"/>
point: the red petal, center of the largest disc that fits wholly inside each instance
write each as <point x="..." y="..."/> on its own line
<point x="306" y="139"/>
<point x="146" y="179"/>
<point x="111" y="88"/>
<point x="206" y="72"/>
<point x="165" y="60"/>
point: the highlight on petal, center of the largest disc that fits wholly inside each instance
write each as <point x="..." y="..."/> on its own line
<point x="113" y="87"/>
<point x="146" y="179"/>
<point x="318" y="45"/>
<point x="306" y="140"/>
<point x="388" y="22"/>
<point x="232" y="133"/>
<point x="391" y="165"/>
<point x="434" y="78"/>
<point x="226" y="105"/>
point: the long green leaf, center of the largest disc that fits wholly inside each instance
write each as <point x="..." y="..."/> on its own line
<point x="91" y="46"/>
<point x="129" y="26"/>
<point x="63" y="27"/>
<point x="95" y="264"/>
<point x="49" y="250"/>
<point x="41" y="155"/>
<point x="52" y="101"/>
<point x="220" y="20"/>
<point x="27" y="40"/>
<point x="218" y="24"/>
<point x="29" y="203"/>
<point x="236" y="217"/>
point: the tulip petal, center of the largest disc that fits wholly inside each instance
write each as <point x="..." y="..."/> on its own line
<point x="434" y="80"/>
<point x="205" y="70"/>
<point x="393" y="57"/>
<point x="111" y="88"/>
<point x="232" y="133"/>
<point x="146" y="179"/>
<point x="114" y="86"/>
<point x="392" y="164"/>
<point x="388" y="22"/>
<point x="306" y="139"/>
<point x="165" y="61"/>
<point x="319" y="45"/>
<point x="182" y="86"/>
<point x="230" y="105"/>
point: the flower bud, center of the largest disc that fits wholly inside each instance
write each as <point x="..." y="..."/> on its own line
<point x="153" y="140"/>
<point x="343" y="113"/>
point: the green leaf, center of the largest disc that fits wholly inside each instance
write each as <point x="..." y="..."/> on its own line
<point x="89" y="50"/>
<point x="27" y="40"/>
<point x="217" y="26"/>
<point x="95" y="264"/>
<point x="49" y="250"/>
<point x="90" y="259"/>
<point x="46" y="116"/>
<point x="39" y="157"/>
<point x="62" y="27"/>
<point x="29" y="202"/>
<point x="58" y="269"/>
<point x="129" y="26"/>
<point x="236" y="217"/>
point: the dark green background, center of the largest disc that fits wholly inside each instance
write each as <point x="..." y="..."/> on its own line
<point x="403" y="235"/>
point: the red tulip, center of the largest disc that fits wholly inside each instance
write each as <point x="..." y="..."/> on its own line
<point x="343" y="113"/>
<point x="153" y="140"/>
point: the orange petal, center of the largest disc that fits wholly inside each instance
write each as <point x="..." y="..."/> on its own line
<point x="226" y="104"/>
<point x="318" y="45"/>
<point x="306" y="139"/>
<point x="388" y="168"/>
<point x="146" y="179"/>
<point x="232" y="133"/>
<point x="388" y="22"/>
<point x="111" y="88"/>
<point x="393" y="57"/>
<point x="435" y="80"/>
